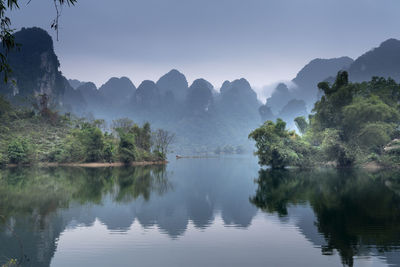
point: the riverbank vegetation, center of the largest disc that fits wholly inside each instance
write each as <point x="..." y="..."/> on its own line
<point x="352" y="124"/>
<point x="39" y="134"/>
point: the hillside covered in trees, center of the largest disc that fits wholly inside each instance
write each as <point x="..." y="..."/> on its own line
<point x="38" y="134"/>
<point x="352" y="123"/>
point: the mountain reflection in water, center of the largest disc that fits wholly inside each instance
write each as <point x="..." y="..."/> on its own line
<point x="352" y="214"/>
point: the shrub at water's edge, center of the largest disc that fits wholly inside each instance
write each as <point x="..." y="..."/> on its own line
<point x="278" y="147"/>
<point x="29" y="136"/>
<point x="352" y="124"/>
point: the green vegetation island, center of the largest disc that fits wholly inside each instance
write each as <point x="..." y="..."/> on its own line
<point x="39" y="135"/>
<point x="353" y="124"/>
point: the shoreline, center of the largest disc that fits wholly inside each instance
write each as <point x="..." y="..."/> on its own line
<point x="369" y="166"/>
<point x="90" y="164"/>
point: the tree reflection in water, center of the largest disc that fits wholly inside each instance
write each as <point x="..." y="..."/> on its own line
<point x="356" y="212"/>
<point x="31" y="201"/>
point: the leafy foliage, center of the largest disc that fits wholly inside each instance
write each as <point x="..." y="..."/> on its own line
<point x="18" y="151"/>
<point x="301" y="124"/>
<point x="278" y="148"/>
<point x="353" y="120"/>
<point x="92" y="139"/>
<point x="127" y="148"/>
<point x="350" y="124"/>
<point x="29" y="136"/>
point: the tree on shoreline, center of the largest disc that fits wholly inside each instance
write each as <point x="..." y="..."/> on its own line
<point x="277" y="147"/>
<point x="162" y="139"/>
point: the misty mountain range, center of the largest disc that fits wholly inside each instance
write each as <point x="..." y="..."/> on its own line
<point x="201" y="116"/>
<point x="383" y="61"/>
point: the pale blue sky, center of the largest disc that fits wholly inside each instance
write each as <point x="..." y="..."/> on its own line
<point x="261" y="40"/>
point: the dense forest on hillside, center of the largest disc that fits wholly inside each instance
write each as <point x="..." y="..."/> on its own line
<point x="353" y="123"/>
<point x="38" y="134"/>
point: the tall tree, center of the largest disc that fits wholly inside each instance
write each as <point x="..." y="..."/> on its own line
<point x="161" y="141"/>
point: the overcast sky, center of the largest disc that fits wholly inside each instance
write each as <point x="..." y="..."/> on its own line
<point x="262" y="40"/>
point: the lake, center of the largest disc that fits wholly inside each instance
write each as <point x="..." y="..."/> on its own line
<point x="199" y="212"/>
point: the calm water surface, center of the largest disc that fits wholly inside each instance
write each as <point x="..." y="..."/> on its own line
<point x="199" y="212"/>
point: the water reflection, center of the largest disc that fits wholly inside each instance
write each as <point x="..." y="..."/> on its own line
<point x="36" y="205"/>
<point x="354" y="213"/>
<point x="357" y="213"/>
<point x="39" y="204"/>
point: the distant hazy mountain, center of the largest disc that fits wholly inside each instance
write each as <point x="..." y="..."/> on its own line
<point x="279" y="98"/>
<point x="289" y="103"/>
<point x="319" y="69"/>
<point x="239" y="101"/>
<point x="288" y="112"/>
<point x="266" y="113"/>
<point x="147" y="96"/>
<point x="383" y="61"/>
<point x="75" y="83"/>
<point x="92" y="96"/>
<point x="294" y="108"/>
<point x="314" y="72"/>
<point x="72" y="101"/>
<point x="174" y="83"/>
<point x="199" y="99"/>
<point x="237" y="107"/>
<point x="239" y="92"/>
<point x="117" y="91"/>
<point x="88" y="91"/>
